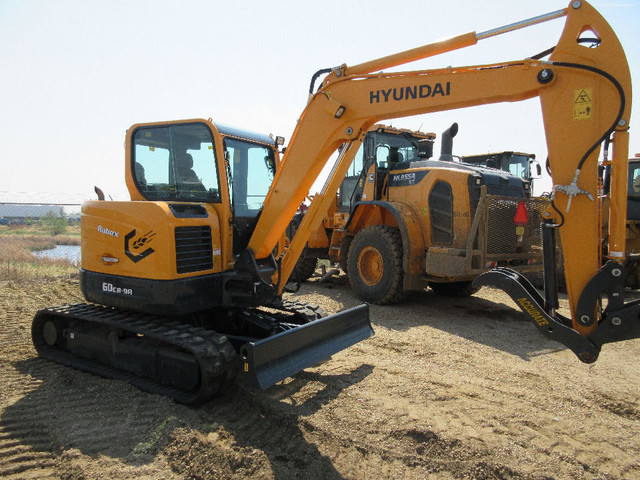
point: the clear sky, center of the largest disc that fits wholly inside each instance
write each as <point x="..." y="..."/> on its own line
<point x="77" y="73"/>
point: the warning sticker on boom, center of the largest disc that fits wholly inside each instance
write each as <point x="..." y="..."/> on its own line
<point x="582" y="100"/>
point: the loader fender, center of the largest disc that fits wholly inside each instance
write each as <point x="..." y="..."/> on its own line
<point x="401" y="215"/>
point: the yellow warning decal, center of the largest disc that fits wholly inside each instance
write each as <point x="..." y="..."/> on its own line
<point x="246" y="367"/>
<point x="582" y="104"/>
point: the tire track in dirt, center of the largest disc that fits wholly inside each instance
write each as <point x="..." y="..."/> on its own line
<point x="48" y="411"/>
<point x="24" y="452"/>
<point x="25" y="443"/>
<point x="287" y="432"/>
<point x="448" y="369"/>
<point x="442" y="391"/>
<point x="72" y="416"/>
<point x="250" y="437"/>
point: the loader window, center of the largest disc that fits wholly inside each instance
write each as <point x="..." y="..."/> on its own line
<point x="393" y="150"/>
<point x="176" y="162"/>
<point x="634" y="180"/>
<point x="518" y="165"/>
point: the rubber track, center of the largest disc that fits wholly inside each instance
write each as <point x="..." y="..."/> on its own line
<point x="217" y="359"/>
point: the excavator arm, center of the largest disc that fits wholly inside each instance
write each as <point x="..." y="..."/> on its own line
<point x="585" y="95"/>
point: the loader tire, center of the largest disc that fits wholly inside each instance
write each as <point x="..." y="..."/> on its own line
<point x="305" y="268"/>
<point x="344" y="254"/>
<point x="375" y="265"/>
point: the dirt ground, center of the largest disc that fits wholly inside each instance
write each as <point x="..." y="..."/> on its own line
<point x="446" y="389"/>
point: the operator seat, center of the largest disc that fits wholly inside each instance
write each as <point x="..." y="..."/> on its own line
<point x="394" y="159"/>
<point x="185" y="176"/>
<point x="139" y="173"/>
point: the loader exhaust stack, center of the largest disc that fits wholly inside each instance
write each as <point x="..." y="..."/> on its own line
<point x="446" y="145"/>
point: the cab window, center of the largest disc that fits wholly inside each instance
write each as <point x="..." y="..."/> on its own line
<point x="176" y="162"/>
<point x="251" y="167"/>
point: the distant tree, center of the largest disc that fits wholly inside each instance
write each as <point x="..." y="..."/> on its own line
<point x="55" y="224"/>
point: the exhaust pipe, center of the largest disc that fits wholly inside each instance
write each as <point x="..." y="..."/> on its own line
<point x="446" y="147"/>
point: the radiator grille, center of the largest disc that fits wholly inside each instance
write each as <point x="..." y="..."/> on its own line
<point x="441" y="213"/>
<point x="193" y="249"/>
<point x="501" y="231"/>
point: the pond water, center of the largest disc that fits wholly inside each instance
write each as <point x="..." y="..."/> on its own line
<point x="70" y="252"/>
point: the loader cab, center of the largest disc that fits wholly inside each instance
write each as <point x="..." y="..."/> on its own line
<point x="383" y="149"/>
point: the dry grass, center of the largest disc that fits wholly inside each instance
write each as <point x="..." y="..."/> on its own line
<point x="17" y="261"/>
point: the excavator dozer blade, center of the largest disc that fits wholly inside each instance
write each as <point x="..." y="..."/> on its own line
<point x="266" y="362"/>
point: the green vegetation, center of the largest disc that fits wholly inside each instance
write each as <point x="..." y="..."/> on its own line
<point x="17" y="242"/>
<point x="54" y="224"/>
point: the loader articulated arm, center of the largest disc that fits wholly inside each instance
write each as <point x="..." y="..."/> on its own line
<point x="585" y="95"/>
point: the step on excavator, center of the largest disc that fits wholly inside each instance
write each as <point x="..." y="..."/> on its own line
<point x="185" y="280"/>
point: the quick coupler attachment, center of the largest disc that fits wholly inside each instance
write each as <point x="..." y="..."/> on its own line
<point x="556" y="327"/>
<point x="619" y="321"/>
<point x="268" y="361"/>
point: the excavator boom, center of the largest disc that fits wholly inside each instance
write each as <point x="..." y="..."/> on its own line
<point x="585" y="96"/>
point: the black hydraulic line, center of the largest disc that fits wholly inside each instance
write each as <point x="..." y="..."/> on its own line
<point x="607" y="134"/>
<point x="549" y="51"/>
<point x="620" y="90"/>
<point x="315" y="76"/>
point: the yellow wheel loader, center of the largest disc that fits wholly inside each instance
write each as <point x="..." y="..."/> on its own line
<point x="186" y="278"/>
<point x="403" y="221"/>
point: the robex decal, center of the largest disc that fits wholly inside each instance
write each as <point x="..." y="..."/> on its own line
<point x="533" y="312"/>
<point x="131" y="249"/>
<point x="107" y="231"/>
<point x="410" y="93"/>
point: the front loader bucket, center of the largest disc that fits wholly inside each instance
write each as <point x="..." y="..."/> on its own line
<point x="268" y="361"/>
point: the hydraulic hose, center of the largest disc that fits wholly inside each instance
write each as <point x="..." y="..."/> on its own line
<point x="315" y="76"/>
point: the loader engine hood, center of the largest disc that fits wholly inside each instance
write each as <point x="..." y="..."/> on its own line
<point x="498" y="182"/>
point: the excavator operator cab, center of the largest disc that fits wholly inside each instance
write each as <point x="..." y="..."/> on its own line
<point x="178" y="162"/>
